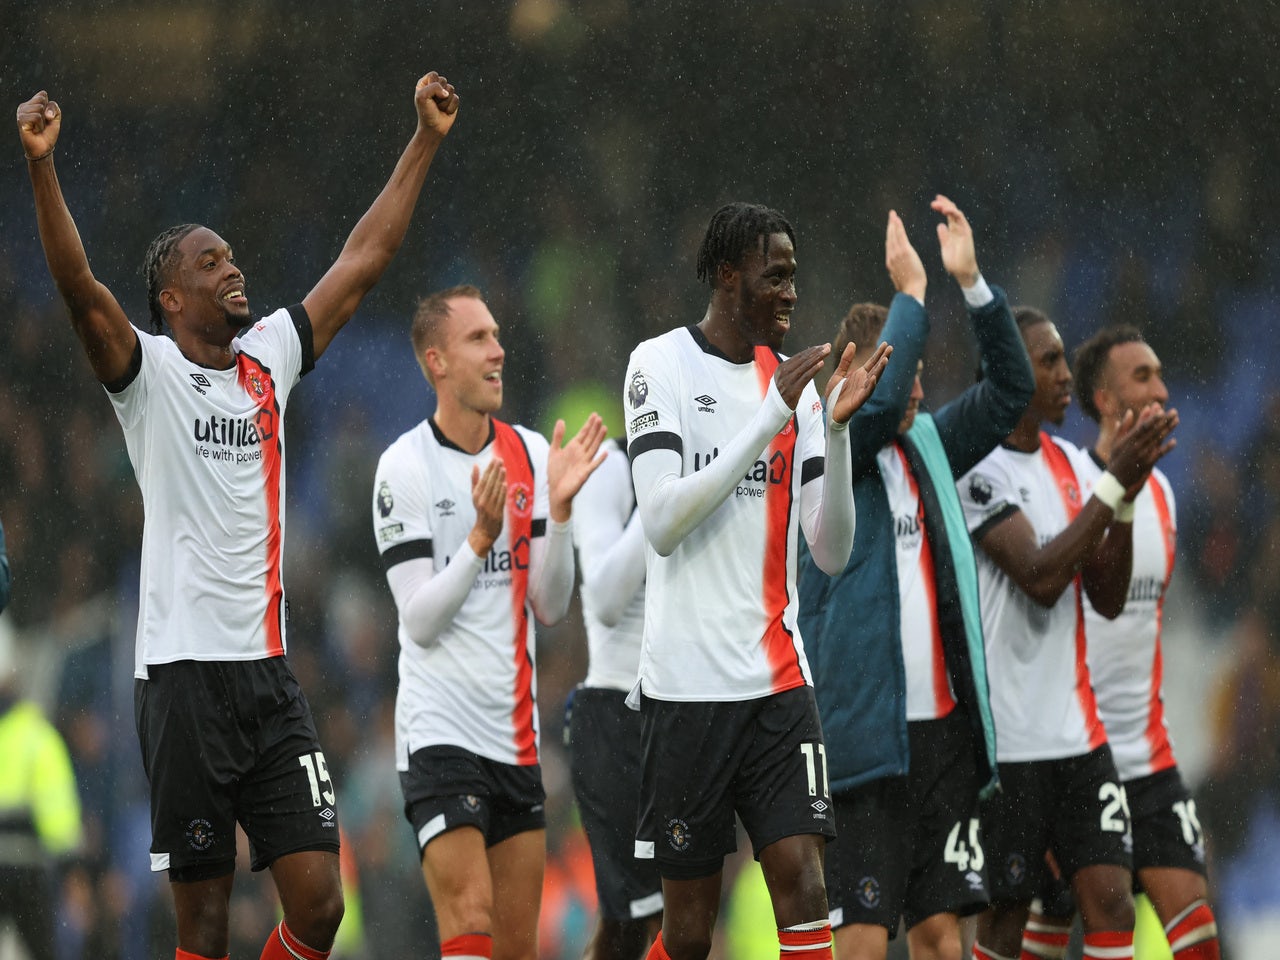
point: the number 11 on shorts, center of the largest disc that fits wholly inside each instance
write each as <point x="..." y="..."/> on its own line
<point x="811" y="767"/>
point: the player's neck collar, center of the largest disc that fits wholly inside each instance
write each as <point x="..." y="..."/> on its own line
<point x="706" y="346"/>
<point x="446" y="442"/>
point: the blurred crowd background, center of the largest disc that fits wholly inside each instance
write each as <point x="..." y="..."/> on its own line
<point x="1116" y="160"/>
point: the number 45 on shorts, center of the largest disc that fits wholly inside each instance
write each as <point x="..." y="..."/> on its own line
<point x="965" y="855"/>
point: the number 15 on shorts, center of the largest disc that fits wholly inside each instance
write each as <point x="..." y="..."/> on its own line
<point x="318" y="776"/>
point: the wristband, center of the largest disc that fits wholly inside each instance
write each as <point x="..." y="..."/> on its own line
<point x="43" y="156"/>
<point x="1126" y="511"/>
<point x="1109" y="491"/>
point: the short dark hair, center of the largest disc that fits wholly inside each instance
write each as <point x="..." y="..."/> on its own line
<point x="1025" y="317"/>
<point x="733" y="232"/>
<point x="1090" y="360"/>
<point x="1029" y="317"/>
<point x="431" y="312"/>
<point x="861" y="325"/>
<point x="156" y="266"/>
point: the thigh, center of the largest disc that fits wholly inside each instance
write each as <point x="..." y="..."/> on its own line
<point x="1090" y="820"/>
<point x="516" y="866"/>
<point x="867" y="864"/>
<point x="1166" y="825"/>
<point x="690" y="752"/>
<point x="195" y="749"/>
<point x="287" y="802"/>
<point x="605" y="766"/>
<point x="447" y="787"/>
<point x="949" y="864"/>
<point x="781" y="788"/>
<point x="1015" y="832"/>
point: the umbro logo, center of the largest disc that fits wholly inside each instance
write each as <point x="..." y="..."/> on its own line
<point x="445" y="507"/>
<point x="974" y="879"/>
<point x="199" y="382"/>
<point x="327" y="813"/>
<point x="706" y="404"/>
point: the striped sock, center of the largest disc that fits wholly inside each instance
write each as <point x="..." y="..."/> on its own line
<point x="283" y="945"/>
<point x="657" y="951"/>
<point x="1193" y="934"/>
<point x="984" y="953"/>
<point x="1045" y="938"/>
<point x="1108" y="945"/>
<point x="806" y="941"/>
<point x="468" y="946"/>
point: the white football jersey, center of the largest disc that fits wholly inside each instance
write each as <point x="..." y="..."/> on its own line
<point x="207" y="448"/>
<point x="601" y="512"/>
<point x="1041" y="695"/>
<point x="720" y="611"/>
<point x="1125" y="657"/>
<point x="929" y="693"/>
<point x="474" y="686"/>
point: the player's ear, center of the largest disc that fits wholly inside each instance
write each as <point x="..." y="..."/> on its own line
<point x="434" y="362"/>
<point x="726" y="275"/>
<point x="1106" y="404"/>
<point x="170" y="300"/>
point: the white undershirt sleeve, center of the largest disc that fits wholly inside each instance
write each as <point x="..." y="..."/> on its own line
<point x="611" y="577"/>
<point x="827" y="516"/>
<point x="428" y="601"/>
<point x="672" y="506"/>
<point x="551" y="572"/>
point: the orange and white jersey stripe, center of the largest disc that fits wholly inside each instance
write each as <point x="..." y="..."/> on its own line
<point x="474" y="686"/>
<point x="929" y="693"/>
<point x="720" y="610"/>
<point x="1037" y="664"/>
<point x="1126" y="659"/>
<point x="208" y="452"/>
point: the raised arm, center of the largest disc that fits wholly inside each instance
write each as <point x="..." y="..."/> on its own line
<point x="96" y="316"/>
<point x="982" y="416"/>
<point x="378" y="235"/>
<point x="906" y="328"/>
<point x="551" y="557"/>
<point x="826" y="502"/>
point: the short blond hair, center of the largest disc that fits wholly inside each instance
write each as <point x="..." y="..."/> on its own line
<point x="429" y="317"/>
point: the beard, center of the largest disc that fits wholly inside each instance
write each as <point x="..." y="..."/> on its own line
<point x="239" y="322"/>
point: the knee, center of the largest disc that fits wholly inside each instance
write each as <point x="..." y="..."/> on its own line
<point x="1110" y="907"/>
<point x="463" y="909"/>
<point x="937" y="945"/>
<point x="328" y="912"/>
<point x="316" y="924"/>
<point x="796" y="883"/>
<point x="687" y="944"/>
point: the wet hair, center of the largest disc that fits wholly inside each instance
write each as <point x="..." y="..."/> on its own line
<point x="1029" y="317"/>
<point x="156" y="266"/>
<point x="734" y="231"/>
<point x="431" y="312"/>
<point x="1090" y="360"/>
<point x="861" y="325"/>
<point x="1025" y="317"/>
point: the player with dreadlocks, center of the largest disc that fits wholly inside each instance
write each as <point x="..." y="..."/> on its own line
<point x="227" y="736"/>
<point x="728" y="440"/>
